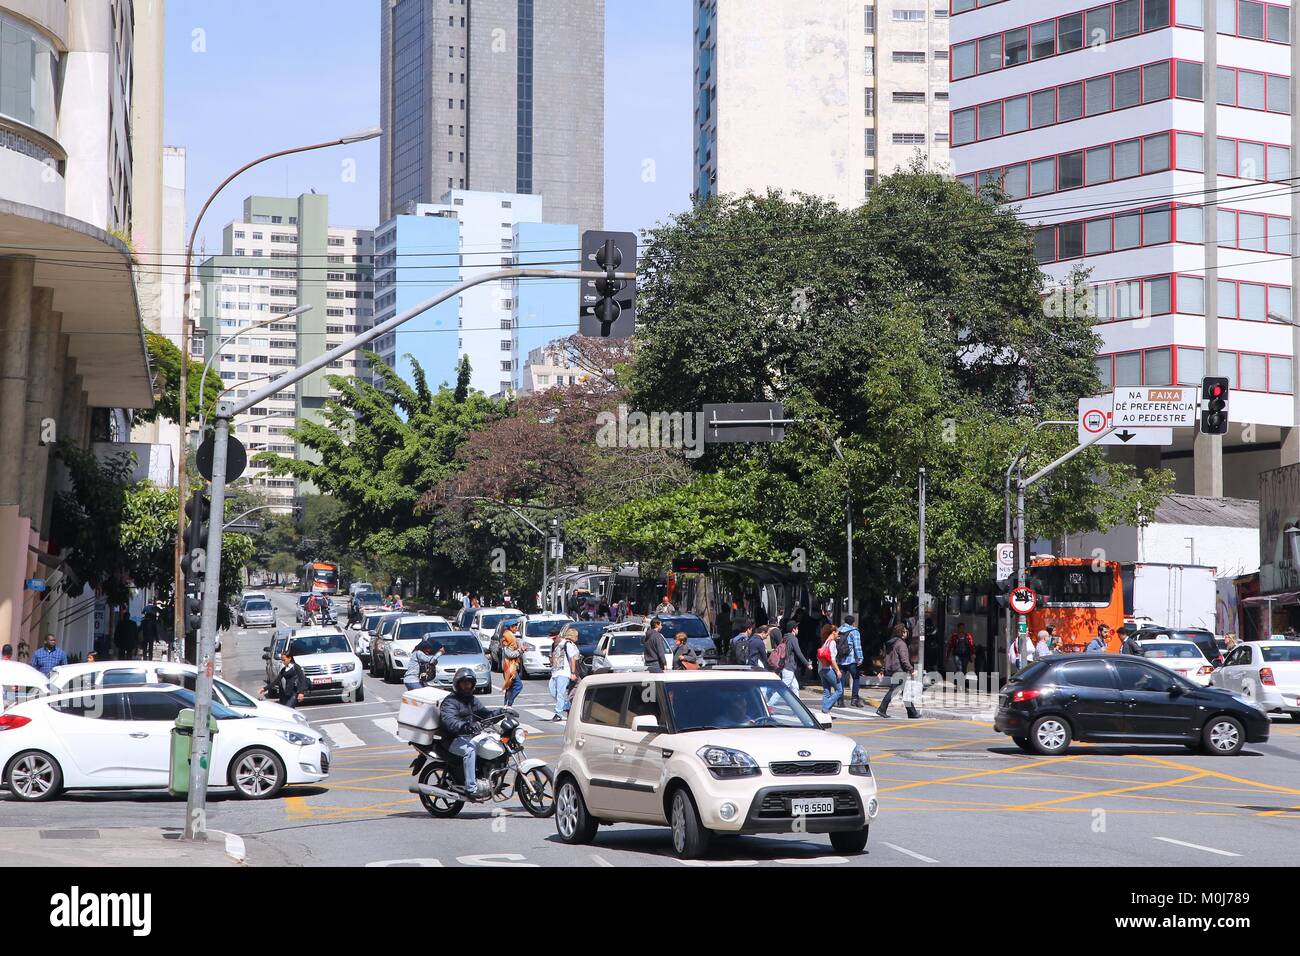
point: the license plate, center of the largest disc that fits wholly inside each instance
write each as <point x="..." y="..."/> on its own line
<point x="807" y="808"/>
<point x="321" y="680"/>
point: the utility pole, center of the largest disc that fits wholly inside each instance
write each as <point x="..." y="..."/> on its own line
<point x="920" y="577"/>
<point x="195" y="819"/>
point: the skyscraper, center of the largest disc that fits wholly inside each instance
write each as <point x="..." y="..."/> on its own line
<point x="820" y="97"/>
<point x="502" y="96"/>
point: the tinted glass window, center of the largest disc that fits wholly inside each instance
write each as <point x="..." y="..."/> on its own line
<point x="122" y="676"/>
<point x="604" y="705"/>
<point x="644" y="702"/>
<point x="234" y="697"/>
<point x="93" y="706"/>
<point x="1086" y="674"/>
<point x="1276" y="653"/>
<point x="1135" y="677"/>
<point x="149" y="706"/>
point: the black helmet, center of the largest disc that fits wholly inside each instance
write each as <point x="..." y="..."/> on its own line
<point x="464" y="673"/>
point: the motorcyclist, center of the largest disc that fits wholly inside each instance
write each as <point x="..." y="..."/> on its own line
<point x="459" y="715"/>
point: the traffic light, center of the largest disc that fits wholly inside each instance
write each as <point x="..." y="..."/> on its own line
<point x="194" y="611"/>
<point x="1214" y="405"/>
<point x="1004" y="590"/>
<point x="607" y="306"/>
<point x="197" y="512"/>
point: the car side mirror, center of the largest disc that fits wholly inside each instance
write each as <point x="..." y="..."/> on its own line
<point x="824" y="721"/>
<point x="647" y="724"/>
<point x="266" y="657"/>
<point x="1176" y="690"/>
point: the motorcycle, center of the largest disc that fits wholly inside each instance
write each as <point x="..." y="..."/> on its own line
<point x="504" y="769"/>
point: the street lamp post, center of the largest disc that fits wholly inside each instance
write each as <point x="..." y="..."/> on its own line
<point x="207" y="366"/>
<point x="183" y="397"/>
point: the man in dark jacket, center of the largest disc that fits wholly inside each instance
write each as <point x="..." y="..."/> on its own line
<point x="291" y="681"/>
<point x="652" y="647"/>
<point x="753" y="652"/>
<point x="898" y="667"/>
<point x="126" y="637"/>
<point x="459" y="716"/>
<point x="149" y="632"/>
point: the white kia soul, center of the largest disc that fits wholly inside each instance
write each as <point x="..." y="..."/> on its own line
<point x="707" y="752"/>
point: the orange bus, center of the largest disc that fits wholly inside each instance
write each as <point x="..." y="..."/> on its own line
<point x="320" y="577"/>
<point x="1076" y="594"/>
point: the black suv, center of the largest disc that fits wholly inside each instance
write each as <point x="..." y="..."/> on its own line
<point x="1121" y="699"/>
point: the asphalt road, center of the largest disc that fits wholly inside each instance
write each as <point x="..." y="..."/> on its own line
<point x="952" y="793"/>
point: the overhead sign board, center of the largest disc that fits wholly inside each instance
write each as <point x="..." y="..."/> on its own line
<point x="1097" y="413"/>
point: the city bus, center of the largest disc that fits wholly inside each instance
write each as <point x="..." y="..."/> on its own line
<point x="1076" y="594"/>
<point x="320" y="577"/>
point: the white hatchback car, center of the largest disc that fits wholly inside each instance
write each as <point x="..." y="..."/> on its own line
<point x="69" y="677"/>
<point x="707" y="752"/>
<point x="1182" y="657"/>
<point x="119" y="738"/>
<point x="1267" y="672"/>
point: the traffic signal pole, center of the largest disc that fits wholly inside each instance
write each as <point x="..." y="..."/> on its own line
<point x="200" y="751"/>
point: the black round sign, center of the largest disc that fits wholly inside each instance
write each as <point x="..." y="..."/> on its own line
<point x="236" y="458"/>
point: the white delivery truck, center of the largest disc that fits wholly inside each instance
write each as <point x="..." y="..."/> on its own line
<point x="1170" y="595"/>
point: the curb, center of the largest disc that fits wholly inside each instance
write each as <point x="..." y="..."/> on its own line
<point x="234" y="845"/>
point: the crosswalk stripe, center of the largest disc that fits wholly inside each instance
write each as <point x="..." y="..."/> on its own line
<point x="387" y="724"/>
<point x="342" y="737"/>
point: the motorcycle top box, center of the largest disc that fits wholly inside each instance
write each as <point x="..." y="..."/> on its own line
<point x="417" y="718"/>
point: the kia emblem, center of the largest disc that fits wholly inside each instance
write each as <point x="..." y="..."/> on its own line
<point x="805" y="753"/>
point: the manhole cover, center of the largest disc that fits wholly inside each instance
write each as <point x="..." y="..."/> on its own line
<point x="69" y="834"/>
<point x="951" y="755"/>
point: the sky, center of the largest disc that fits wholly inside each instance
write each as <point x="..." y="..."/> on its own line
<point x="247" y="77"/>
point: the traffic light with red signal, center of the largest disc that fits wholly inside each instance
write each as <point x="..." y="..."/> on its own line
<point x="1214" y="405"/>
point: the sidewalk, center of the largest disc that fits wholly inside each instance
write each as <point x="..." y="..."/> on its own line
<point x="115" y="846"/>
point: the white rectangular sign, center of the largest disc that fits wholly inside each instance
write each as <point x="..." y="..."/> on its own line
<point x="1097" y="413"/>
<point x="1147" y="406"/>
<point x="1006" y="561"/>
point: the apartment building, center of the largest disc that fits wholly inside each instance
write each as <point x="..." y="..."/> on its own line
<point x="822" y="98"/>
<point x="280" y="254"/>
<point x="1150" y="142"/>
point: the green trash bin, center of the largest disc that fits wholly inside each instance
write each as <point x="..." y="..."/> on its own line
<point x="178" y="780"/>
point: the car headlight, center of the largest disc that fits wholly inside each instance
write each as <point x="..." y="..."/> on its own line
<point x="295" y="738"/>
<point x="347" y="668"/>
<point x="727" y="764"/>
<point x="480" y="668"/>
<point x="859" y="766"/>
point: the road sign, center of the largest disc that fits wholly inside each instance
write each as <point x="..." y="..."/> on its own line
<point x="34" y="584"/>
<point x="1096" y="415"/>
<point x="1148" y="406"/>
<point x="1023" y="600"/>
<point x="236" y="458"/>
<point x="1005" y="555"/>
<point x="763" y="415"/>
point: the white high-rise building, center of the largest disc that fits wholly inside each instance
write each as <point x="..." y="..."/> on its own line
<point x="1151" y="143"/>
<point x="823" y="98"/>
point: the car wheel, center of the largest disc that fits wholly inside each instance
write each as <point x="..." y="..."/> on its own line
<point x="1223" y="736"/>
<point x="1049" y="736"/>
<point x="34" y="776"/>
<point x="437" y="775"/>
<point x="572" y="821"/>
<point x="850" y="841"/>
<point x="1295" y="716"/>
<point x="690" y="838"/>
<point x="257" y="774"/>
<point x="360" y="693"/>
<point x="1023" y="744"/>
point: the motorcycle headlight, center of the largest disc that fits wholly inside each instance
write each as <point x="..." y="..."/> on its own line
<point x="859" y="766"/>
<point x="521" y="735"/>
<point x="295" y="738"/>
<point x="727" y="764"/>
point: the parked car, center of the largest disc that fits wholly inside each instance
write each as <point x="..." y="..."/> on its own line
<point x="1267" y="672"/>
<point x="708" y="753"/>
<point x="383" y="632"/>
<point x="245" y="596"/>
<point x="101" y="674"/>
<point x="256" y="613"/>
<point x="1182" y="657"/>
<point x="328" y="661"/>
<point x="1197" y="635"/>
<point x="407" y="633"/>
<point x="461" y="649"/>
<point x="119" y="738"/>
<point x="1121" y="699"/>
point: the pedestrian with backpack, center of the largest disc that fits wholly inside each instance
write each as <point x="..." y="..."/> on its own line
<point x="898" y="668"/>
<point x="848" y="646"/>
<point x="786" y="658"/>
<point x="829" y="670"/>
<point x="564" y="669"/>
<point x="961" y="648"/>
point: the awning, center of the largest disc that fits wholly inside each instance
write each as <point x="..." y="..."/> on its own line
<point x="91" y="274"/>
<point x="1279" y="599"/>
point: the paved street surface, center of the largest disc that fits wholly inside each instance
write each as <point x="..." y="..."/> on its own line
<point x="952" y="792"/>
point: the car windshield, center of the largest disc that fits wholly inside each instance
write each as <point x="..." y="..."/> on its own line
<point x="219" y="710"/>
<point x="302" y="599"/>
<point x="625" y="644"/>
<point x="1170" y="649"/>
<point x="490" y="621"/>
<point x="732" y="704"/>
<point x="693" y="627"/>
<point x="370" y="597"/>
<point x="414" y="630"/>
<point x="319" y="644"/>
<point x="545" y="628"/>
<point x="589" y="631"/>
<point x="457" y="643"/>
<point x="1280" y="653"/>
<point x="257" y="606"/>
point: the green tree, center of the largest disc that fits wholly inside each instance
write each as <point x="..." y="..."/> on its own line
<point x="165" y="360"/>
